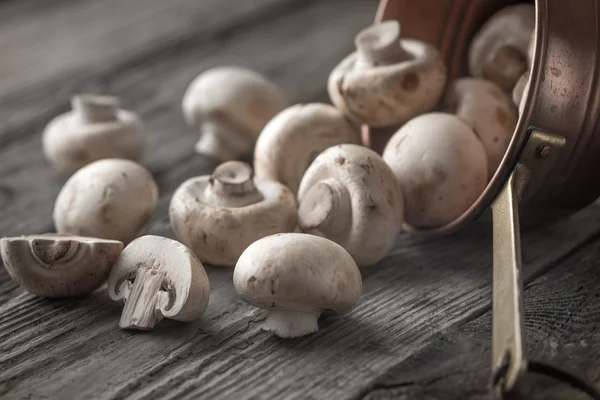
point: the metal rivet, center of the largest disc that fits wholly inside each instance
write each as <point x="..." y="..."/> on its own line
<point x="543" y="151"/>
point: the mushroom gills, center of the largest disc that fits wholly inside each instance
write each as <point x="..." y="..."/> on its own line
<point x="51" y="251"/>
<point x="145" y="297"/>
<point x="291" y="323"/>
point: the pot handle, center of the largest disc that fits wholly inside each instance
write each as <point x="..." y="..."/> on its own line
<point x="509" y="357"/>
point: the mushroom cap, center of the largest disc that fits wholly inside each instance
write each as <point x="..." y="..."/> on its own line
<point x="376" y="207"/>
<point x="70" y="142"/>
<point x="293" y="138"/>
<point x="110" y="199"/>
<point x="489" y="112"/>
<point x="441" y="167"/>
<point x="520" y="88"/>
<point x="219" y="233"/>
<point x="238" y="97"/>
<point x="185" y="287"/>
<point x="59" y="265"/>
<point x="531" y="49"/>
<point x="499" y="51"/>
<point x="391" y="94"/>
<point x="298" y="272"/>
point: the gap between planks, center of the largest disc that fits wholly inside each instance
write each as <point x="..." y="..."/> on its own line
<point x="562" y="316"/>
<point x="420" y="289"/>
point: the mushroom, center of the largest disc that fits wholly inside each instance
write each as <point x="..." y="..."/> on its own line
<point x="230" y="106"/>
<point x="441" y="167"/>
<point x="388" y="80"/>
<point x="522" y="84"/>
<point x="349" y="195"/>
<point x="59" y="265"/>
<point x="158" y="278"/>
<point x="219" y="216"/>
<point x="292" y="140"/>
<point x="295" y="277"/>
<point x="95" y="128"/>
<point x="489" y="112"/>
<point x="499" y="51"/>
<point x="109" y="199"/>
<point x="521" y="87"/>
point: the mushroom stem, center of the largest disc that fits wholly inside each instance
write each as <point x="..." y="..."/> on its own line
<point x="222" y="141"/>
<point x="380" y="43"/>
<point x="95" y="108"/>
<point x="141" y="305"/>
<point x="211" y="145"/>
<point x="290" y="323"/>
<point x="232" y="185"/>
<point x="326" y="208"/>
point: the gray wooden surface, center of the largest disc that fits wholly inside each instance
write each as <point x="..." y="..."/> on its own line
<point x="422" y="329"/>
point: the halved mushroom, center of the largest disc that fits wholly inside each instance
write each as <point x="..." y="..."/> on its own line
<point x="488" y="111"/>
<point x="295" y="136"/>
<point x="230" y="106"/>
<point x="441" y="167"/>
<point x="219" y="216"/>
<point x="388" y="80"/>
<point x="59" y="265"/>
<point x="295" y="277"/>
<point x="351" y="196"/>
<point x="110" y="199"/>
<point x="95" y="129"/>
<point x="158" y="278"/>
<point x="499" y="52"/>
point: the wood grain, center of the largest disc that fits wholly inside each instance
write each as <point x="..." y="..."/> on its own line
<point x="154" y="89"/>
<point x="55" y="348"/>
<point x="73" y="348"/>
<point x="562" y="315"/>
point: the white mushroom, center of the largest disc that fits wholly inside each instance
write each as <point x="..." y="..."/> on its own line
<point x="489" y="112"/>
<point x="522" y="84"/>
<point x="110" y="199"/>
<point x="219" y="216"/>
<point x="499" y="52"/>
<point x="292" y="140"/>
<point x="441" y="167"/>
<point x="520" y="88"/>
<point x="158" y="278"/>
<point x="295" y="277"/>
<point x="57" y="265"/>
<point x="349" y="195"/>
<point x="388" y="80"/>
<point x="230" y="106"/>
<point x="95" y="129"/>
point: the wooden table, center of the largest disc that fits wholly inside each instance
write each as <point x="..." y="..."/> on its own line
<point x="422" y="329"/>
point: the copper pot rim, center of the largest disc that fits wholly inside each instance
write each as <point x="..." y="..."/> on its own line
<point x="518" y="140"/>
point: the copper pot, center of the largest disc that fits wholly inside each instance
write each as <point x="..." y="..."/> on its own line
<point x="551" y="167"/>
<point x="563" y="97"/>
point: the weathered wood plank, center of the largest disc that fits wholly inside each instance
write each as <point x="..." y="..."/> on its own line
<point x="74" y="346"/>
<point x="55" y="349"/>
<point x="59" y="50"/>
<point x="155" y="90"/>
<point x="39" y="44"/>
<point x="562" y="317"/>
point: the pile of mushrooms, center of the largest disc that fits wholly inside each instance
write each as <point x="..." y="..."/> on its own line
<point x="314" y="207"/>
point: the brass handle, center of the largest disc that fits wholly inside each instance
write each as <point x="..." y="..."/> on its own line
<point x="509" y="358"/>
<point x="508" y="350"/>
